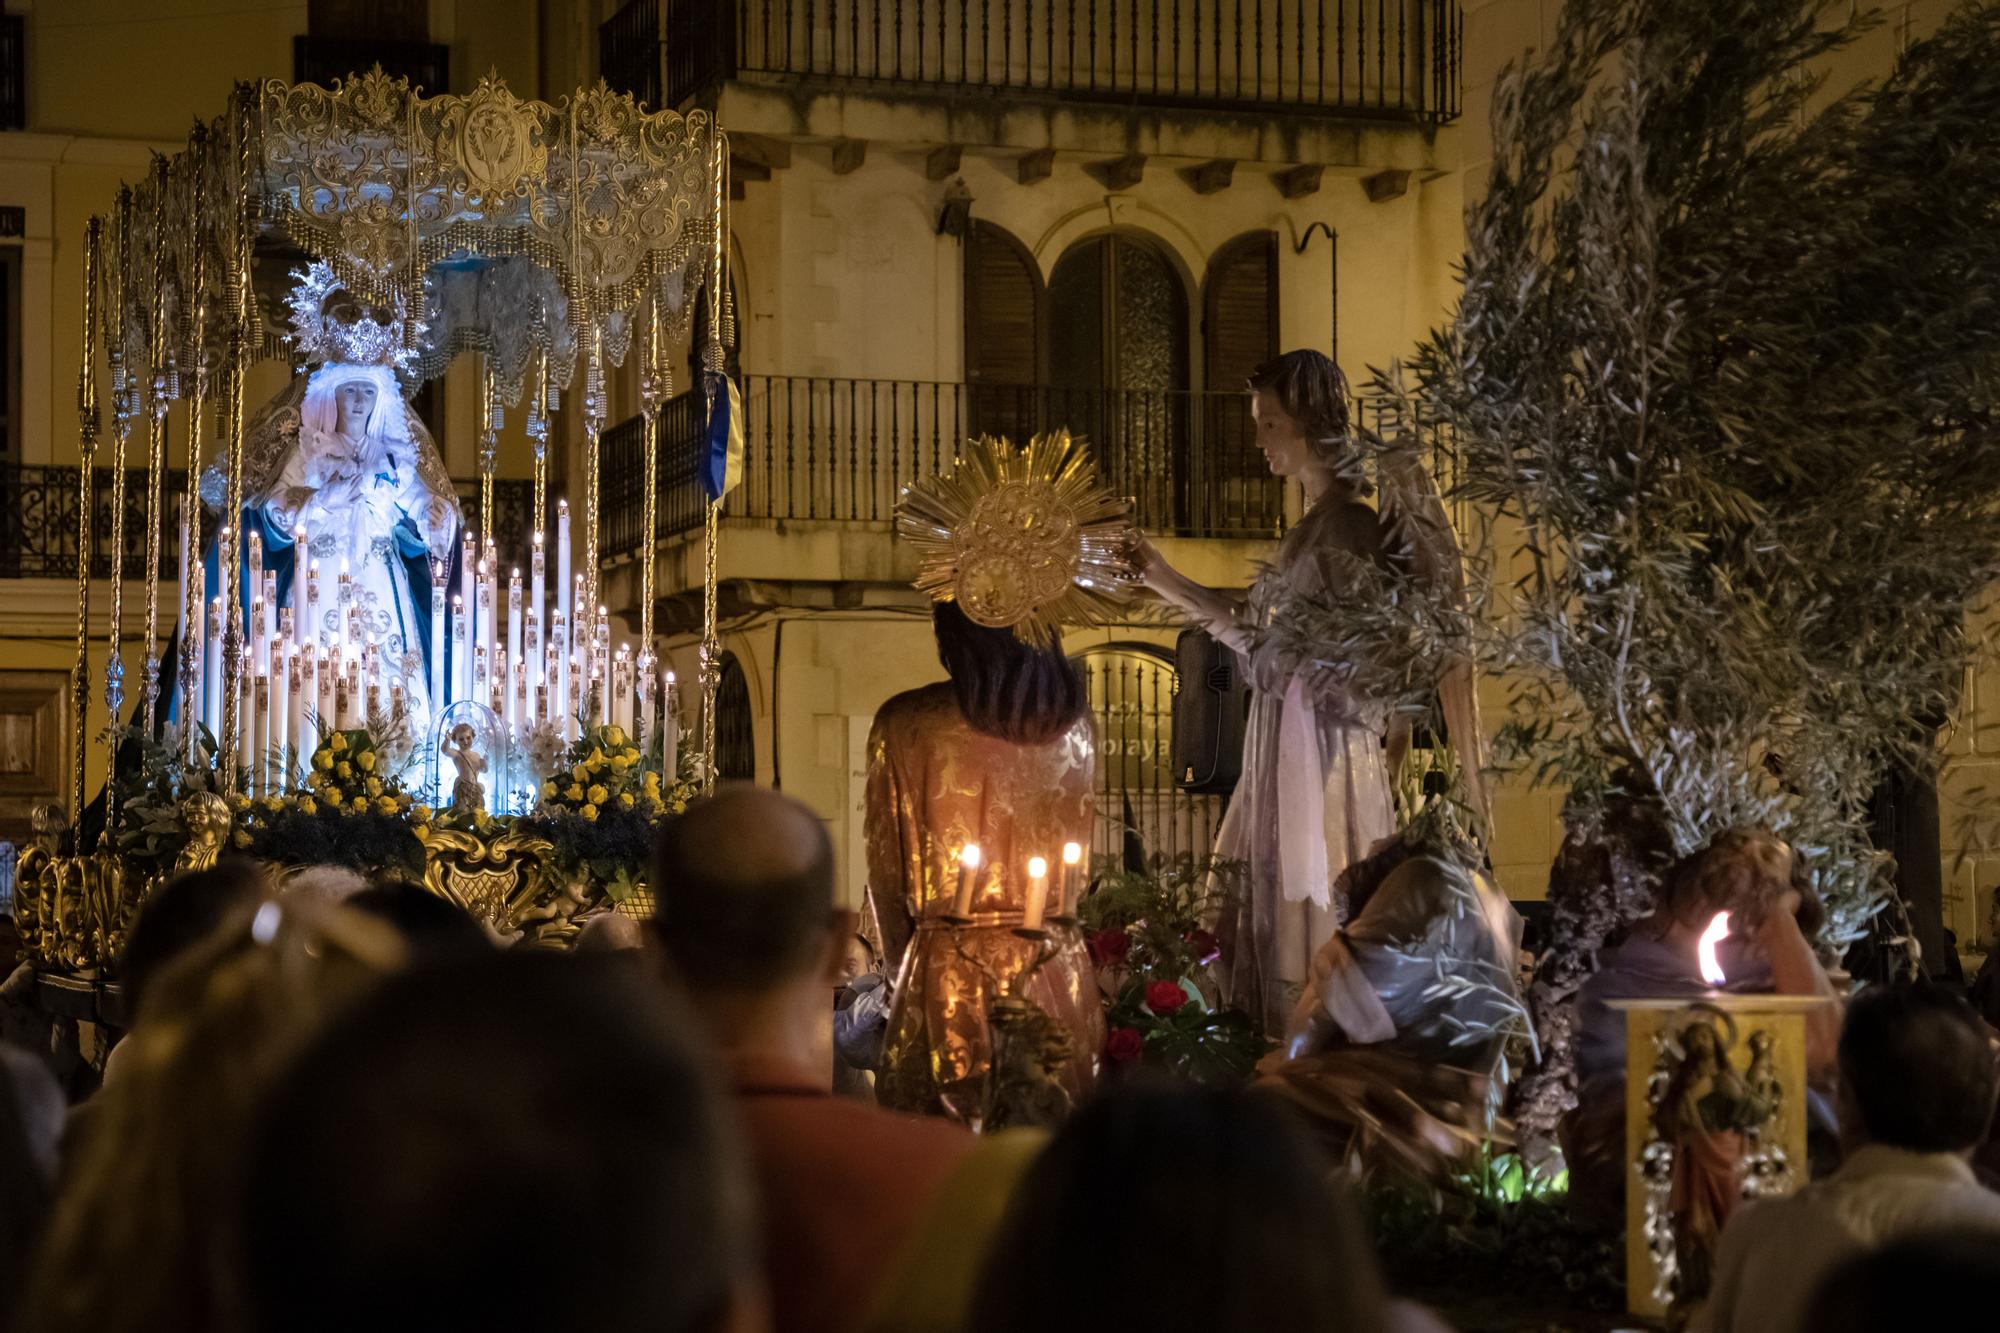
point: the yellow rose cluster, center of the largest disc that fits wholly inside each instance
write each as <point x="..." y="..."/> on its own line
<point x="343" y="780"/>
<point x="602" y="773"/>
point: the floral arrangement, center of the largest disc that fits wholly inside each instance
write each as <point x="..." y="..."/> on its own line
<point x="1148" y="935"/>
<point x="599" y="808"/>
<point x="150" y="781"/>
<point x="351" y="812"/>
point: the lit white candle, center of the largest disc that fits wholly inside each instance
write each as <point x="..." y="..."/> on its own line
<point x="270" y="619"/>
<point x="642" y="706"/>
<point x="559" y="651"/>
<point x="515" y="641"/>
<point x="435" y="678"/>
<point x="564" y="604"/>
<point x="541" y="701"/>
<point x="254" y="729"/>
<point x="538" y="608"/>
<point x="461" y="657"/>
<point x="280" y="708"/>
<point x="301" y="622"/>
<point x="621" y="692"/>
<point x="489" y="612"/>
<point x="517" y="702"/>
<point x="343" y="703"/>
<point x="573" y="719"/>
<point x="254" y="558"/>
<point x="298" y="703"/>
<point x="1038" y="893"/>
<point x="371" y="675"/>
<point x="326" y="714"/>
<point x="968" y="879"/>
<point x="1071" y="879"/>
<point x="534" y="661"/>
<point x="482" y="690"/>
<point x="310" y="631"/>
<point x="211" y="668"/>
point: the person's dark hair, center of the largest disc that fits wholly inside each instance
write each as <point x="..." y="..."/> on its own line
<point x="1080" y="1248"/>
<point x="1915" y="1062"/>
<point x="1735" y="873"/>
<point x="30" y="1121"/>
<point x="436" y="1156"/>
<point x="743" y="883"/>
<point x="1005" y="687"/>
<point x="433" y="929"/>
<point x="1918" y="1282"/>
<point x="182" y="914"/>
<point x="1312" y="391"/>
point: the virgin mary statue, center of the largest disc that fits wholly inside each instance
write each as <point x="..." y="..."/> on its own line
<point x="340" y="473"/>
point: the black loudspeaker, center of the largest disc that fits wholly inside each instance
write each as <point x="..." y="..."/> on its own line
<point x="1211" y="712"/>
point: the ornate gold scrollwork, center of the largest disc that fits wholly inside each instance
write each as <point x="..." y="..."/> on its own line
<point x="503" y="879"/>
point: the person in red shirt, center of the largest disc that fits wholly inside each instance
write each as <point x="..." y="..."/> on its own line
<point x="747" y="922"/>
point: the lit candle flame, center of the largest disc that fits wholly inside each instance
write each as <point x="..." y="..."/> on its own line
<point x="1038" y="868"/>
<point x="969" y="858"/>
<point x="1072" y="853"/>
<point x="1711" y="969"/>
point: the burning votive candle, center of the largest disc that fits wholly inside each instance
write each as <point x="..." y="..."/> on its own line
<point x="1717" y="932"/>
<point x="1072" y="871"/>
<point x="1038" y="893"/>
<point x="968" y="876"/>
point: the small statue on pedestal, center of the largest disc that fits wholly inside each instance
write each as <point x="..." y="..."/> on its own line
<point x="468" y="793"/>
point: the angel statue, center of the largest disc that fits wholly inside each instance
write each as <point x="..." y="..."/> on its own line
<point x="337" y="463"/>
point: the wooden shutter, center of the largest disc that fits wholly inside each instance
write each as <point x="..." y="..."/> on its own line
<point x="1240" y="327"/>
<point x="1241" y="314"/>
<point x="1003" y="327"/>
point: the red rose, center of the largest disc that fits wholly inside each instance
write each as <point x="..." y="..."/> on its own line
<point x="1108" y="947"/>
<point x="1206" y="947"/>
<point x="1125" y="1045"/>
<point x="1165" y="997"/>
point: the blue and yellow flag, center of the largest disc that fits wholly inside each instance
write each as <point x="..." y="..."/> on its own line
<point x="722" y="454"/>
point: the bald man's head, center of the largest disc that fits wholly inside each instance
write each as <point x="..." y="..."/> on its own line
<point x="744" y="883"/>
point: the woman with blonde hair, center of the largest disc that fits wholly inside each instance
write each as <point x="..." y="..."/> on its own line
<point x="141" y="1242"/>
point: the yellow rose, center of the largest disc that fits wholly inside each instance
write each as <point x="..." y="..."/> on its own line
<point x="579" y="772"/>
<point x="375" y="787"/>
<point x="339" y="742"/>
<point x="575" y="793"/>
<point x="590" y="812"/>
<point x="614" y="735"/>
<point x="422" y="814"/>
<point x="240" y="838"/>
<point x="631" y="755"/>
<point x="386" y="804"/>
<point x="549" y="790"/>
<point x="619" y="763"/>
<point x="307" y="806"/>
<point x="366" y="760"/>
<point x="273" y="804"/>
<point x="625" y="801"/>
<point x="360" y="803"/>
<point x="596" y="757"/>
<point x="239" y="802"/>
<point x="652" y="782"/>
<point x="323" y="760"/>
<point x="596" y="795"/>
<point x="343" y="770"/>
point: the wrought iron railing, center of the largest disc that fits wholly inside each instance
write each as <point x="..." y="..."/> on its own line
<point x="628" y="51"/>
<point x="1139" y="808"/>
<point x="841" y="450"/>
<point x="38" y="527"/>
<point x="1391" y="58"/>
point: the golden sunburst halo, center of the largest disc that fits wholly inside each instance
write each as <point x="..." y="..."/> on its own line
<point x="1022" y="537"/>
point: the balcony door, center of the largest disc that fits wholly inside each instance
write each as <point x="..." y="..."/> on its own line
<point x="1118" y="368"/>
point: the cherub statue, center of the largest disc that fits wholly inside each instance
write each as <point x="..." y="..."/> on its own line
<point x="468" y="793"/>
<point x="207" y="819"/>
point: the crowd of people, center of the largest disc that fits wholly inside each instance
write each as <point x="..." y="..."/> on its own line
<point x="340" y="1109"/>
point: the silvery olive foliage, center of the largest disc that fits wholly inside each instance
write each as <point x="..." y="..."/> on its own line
<point x="1721" y="385"/>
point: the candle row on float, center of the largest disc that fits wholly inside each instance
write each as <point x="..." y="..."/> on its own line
<point x="307" y="673"/>
<point x="1068" y="888"/>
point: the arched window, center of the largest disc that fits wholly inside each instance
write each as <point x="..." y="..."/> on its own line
<point x="1235" y="490"/>
<point x="1118" y="367"/>
<point x="735" y="737"/>
<point x="1003" y="334"/>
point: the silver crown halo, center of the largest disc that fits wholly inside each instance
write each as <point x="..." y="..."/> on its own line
<point x="374" y="338"/>
<point x="1025" y="538"/>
